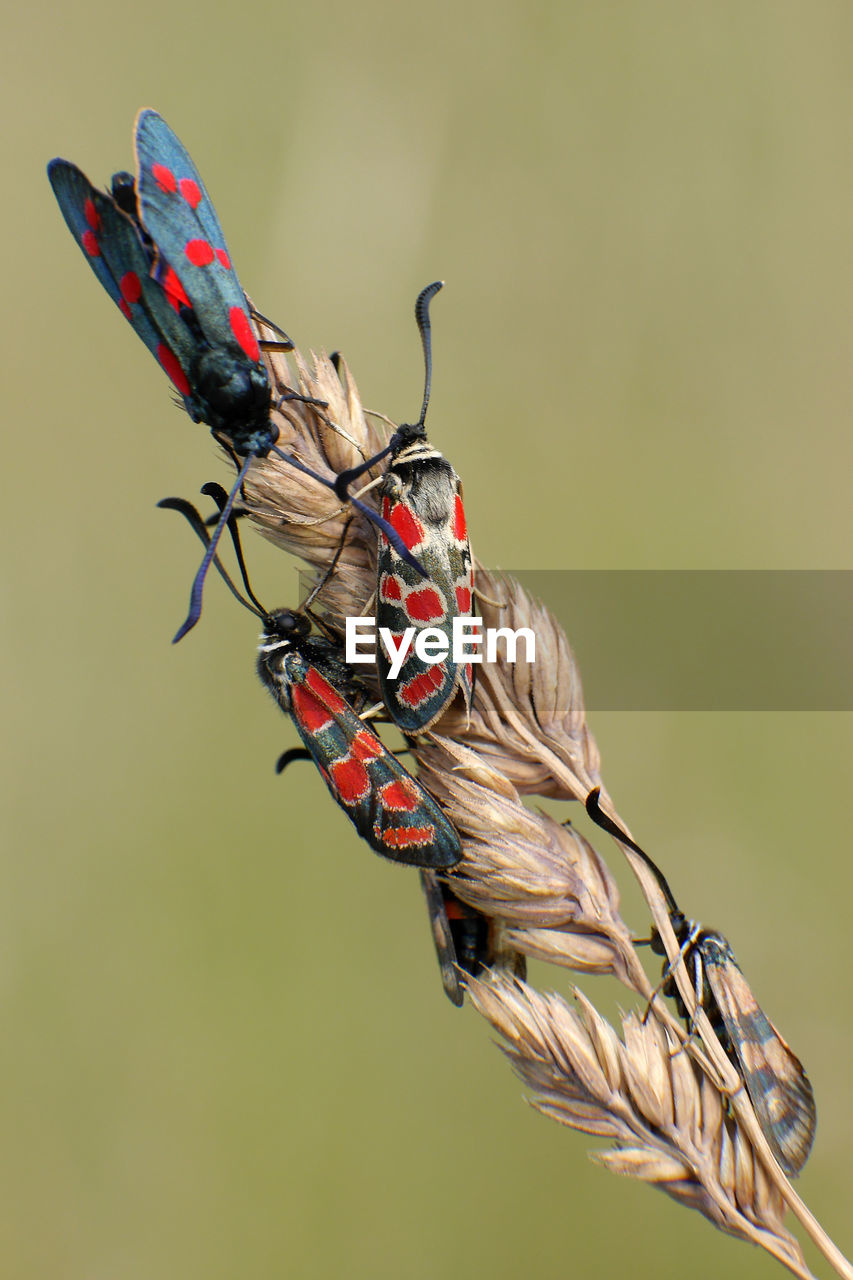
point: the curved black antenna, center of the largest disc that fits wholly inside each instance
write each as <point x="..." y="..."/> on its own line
<point x="424" y="298"/>
<point x="607" y="824"/>
<point x="198" y="581"/>
<point x="220" y="497"/>
<point x="411" y="429"/>
<point x="285" y="342"/>
<point x="339" y="488"/>
<point x="197" y="524"/>
<point x="288" y="757"/>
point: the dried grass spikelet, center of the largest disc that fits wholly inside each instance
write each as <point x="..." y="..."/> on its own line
<point x="665" y="1118"/>
<point x="666" y="1108"/>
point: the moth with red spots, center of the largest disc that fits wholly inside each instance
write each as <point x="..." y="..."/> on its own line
<point x="388" y="808"/>
<point x="421" y="500"/>
<point x="156" y="246"/>
<point x="309" y="679"/>
<point x="778" y="1087"/>
<point x="466" y="941"/>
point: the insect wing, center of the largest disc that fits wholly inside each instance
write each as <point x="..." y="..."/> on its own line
<point x="466" y="941"/>
<point x="429" y="516"/>
<point x="442" y="937"/>
<point x="778" y="1086"/>
<point x="111" y="244"/>
<point x="389" y="809"/>
<point x="460" y="934"/>
<point x="179" y="215"/>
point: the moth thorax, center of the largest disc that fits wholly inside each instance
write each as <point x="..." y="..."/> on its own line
<point x="418" y="449"/>
<point x="233" y="391"/>
<point x="429" y="481"/>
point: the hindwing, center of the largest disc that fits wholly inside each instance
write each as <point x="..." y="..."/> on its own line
<point x="114" y="248"/>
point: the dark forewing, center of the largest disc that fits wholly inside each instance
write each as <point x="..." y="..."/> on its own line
<point x="178" y="213"/>
<point x="389" y="809"/>
<point x="774" y="1077"/>
<point x="429" y="517"/>
<point x="442" y="937"/>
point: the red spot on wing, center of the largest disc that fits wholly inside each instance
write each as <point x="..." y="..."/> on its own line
<point x="125" y="310"/>
<point x="321" y="688"/>
<point x="389" y="588"/>
<point x="407" y="525"/>
<point x="463" y="599"/>
<point x="89" y="242"/>
<point x="308" y="710"/>
<point x="164" y="178"/>
<point x="174" y="290"/>
<point x="460" y="528"/>
<point x="171" y="364"/>
<point x="222" y="255"/>
<point x="397" y="641"/>
<point x="401" y="796"/>
<point x="131" y="289"/>
<point x="366" y="746"/>
<point x="425" y="605"/>
<point x="415" y="692"/>
<point x="90" y="213"/>
<point x="242" y="331"/>
<point x="350" y="780"/>
<point x="406" y="837"/>
<point x="199" y="252"/>
<point x="191" y="192"/>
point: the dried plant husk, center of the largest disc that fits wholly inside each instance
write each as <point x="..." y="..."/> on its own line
<point x="670" y="1106"/>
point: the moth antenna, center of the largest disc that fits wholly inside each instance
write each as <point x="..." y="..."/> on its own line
<point x="339" y="487"/>
<point x="346" y="478"/>
<point x="285" y="342"/>
<point x="607" y="824"/>
<point x="424" y="298"/>
<point x="197" y="524"/>
<point x="215" y="491"/>
<point x="288" y="757"/>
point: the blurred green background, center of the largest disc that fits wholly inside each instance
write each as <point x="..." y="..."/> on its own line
<point x="226" y="1049"/>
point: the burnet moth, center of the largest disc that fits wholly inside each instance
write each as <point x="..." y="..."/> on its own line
<point x="775" y="1080"/>
<point x="309" y="679"/>
<point x="156" y="246"/>
<point x="465" y="939"/>
<point x="421" y="500"/>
